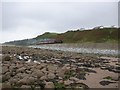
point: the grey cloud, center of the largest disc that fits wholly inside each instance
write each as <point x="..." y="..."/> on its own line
<point x="58" y="17"/>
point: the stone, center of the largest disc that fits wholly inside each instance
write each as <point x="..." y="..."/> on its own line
<point x="68" y="82"/>
<point x="61" y="72"/>
<point x="23" y="81"/>
<point x="115" y="78"/>
<point x="36" y="62"/>
<point x="6" y="58"/>
<point x="52" y="68"/>
<point x="22" y="69"/>
<point x="28" y="71"/>
<point x="74" y="79"/>
<point x="21" y="75"/>
<point x="27" y="80"/>
<point x="0" y="78"/>
<point x="49" y="85"/>
<point x="5" y="77"/>
<point x="51" y="76"/>
<point x="38" y="73"/>
<point x="19" y="65"/>
<point x="20" y="58"/>
<point x="60" y="81"/>
<point x="4" y="69"/>
<point x="31" y="80"/>
<point x="6" y="85"/>
<point x="13" y="81"/>
<point x="43" y="78"/>
<point x="25" y="86"/>
<point x="106" y="82"/>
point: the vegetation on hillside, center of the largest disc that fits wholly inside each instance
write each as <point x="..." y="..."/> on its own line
<point x="76" y="36"/>
<point x="94" y="35"/>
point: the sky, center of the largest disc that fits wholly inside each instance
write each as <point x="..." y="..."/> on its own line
<point x="23" y="20"/>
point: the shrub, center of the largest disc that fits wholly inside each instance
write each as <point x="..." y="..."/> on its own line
<point x="59" y="86"/>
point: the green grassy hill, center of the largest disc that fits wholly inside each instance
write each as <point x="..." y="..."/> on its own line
<point x="94" y="35"/>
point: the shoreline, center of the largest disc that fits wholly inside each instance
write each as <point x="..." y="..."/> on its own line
<point x="102" y="49"/>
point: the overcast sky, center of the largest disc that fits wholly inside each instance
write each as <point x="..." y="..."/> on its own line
<point x="22" y="20"/>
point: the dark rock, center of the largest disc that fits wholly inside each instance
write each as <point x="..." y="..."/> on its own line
<point x="27" y="81"/>
<point x="4" y="69"/>
<point x="38" y="73"/>
<point x="49" y="85"/>
<point x="105" y="82"/>
<point x="5" y="77"/>
<point x="6" y="58"/>
<point x="6" y="85"/>
<point x="22" y="69"/>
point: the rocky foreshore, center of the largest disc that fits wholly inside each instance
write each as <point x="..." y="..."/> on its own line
<point x="24" y="67"/>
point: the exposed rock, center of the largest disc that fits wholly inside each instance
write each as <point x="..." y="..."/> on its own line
<point x="25" y="86"/>
<point x="44" y="70"/>
<point x="23" y="81"/>
<point x="21" y="75"/>
<point x="32" y="80"/>
<point x="13" y="81"/>
<point x="28" y="71"/>
<point x="27" y="81"/>
<point x="52" y="68"/>
<point x="5" y="77"/>
<point x="51" y="76"/>
<point x="43" y="78"/>
<point x="115" y="78"/>
<point x="36" y="62"/>
<point x="49" y="85"/>
<point x="22" y="69"/>
<point x="4" y="69"/>
<point x="6" y="85"/>
<point x="6" y="58"/>
<point x="106" y="82"/>
<point x="103" y="68"/>
<point x="64" y="69"/>
<point x="68" y="82"/>
<point x="0" y="78"/>
<point x="38" y="73"/>
<point x="74" y="79"/>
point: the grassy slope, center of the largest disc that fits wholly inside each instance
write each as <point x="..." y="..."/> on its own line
<point x="47" y="35"/>
<point x="96" y="35"/>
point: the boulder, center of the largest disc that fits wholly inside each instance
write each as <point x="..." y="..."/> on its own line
<point x="25" y="86"/>
<point x="61" y="72"/>
<point x="5" y="77"/>
<point x="49" y="85"/>
<point x="43" y="78"/>
<point x="74" y="79"/>
<point x="68" y="82"/>
<point x="27" y="81"/>
<point x="51" y="76"/>
<point x="52" y="68"/>
<point x="106" y="82"/>
<point x="38" y="73"/>
<point x="6" y="85"/>
<point x="115" y="78"/>
<point x="4" y="69"/>
<point x="22" y="69"/>
<point x="13" y="81"/>
<point x="23" y="81"/>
